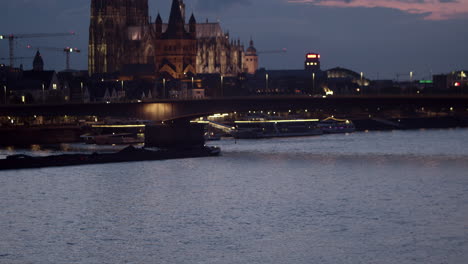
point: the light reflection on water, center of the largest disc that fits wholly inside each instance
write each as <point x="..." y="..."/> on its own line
<point x="384" y="197"/>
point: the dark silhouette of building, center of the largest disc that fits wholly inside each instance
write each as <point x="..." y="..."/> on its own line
<point x="38" y="63"/>
<point x="312" y="62"/>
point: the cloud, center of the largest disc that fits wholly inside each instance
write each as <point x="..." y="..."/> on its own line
<point x="429" y="9"/>
<point x="220" y="4"/>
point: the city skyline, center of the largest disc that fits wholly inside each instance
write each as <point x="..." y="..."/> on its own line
<point x="380" y="38"/>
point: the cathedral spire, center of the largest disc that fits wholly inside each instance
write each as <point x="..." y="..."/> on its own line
<point x="193" y="26"/>
<point x="176" y="26"/>
<point x="158" y="19"/>
<point x="158" y="23"/>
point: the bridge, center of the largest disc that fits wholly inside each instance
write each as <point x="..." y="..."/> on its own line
<point x="166" y="110"/>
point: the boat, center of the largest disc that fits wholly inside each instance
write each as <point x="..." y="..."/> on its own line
<point x="128" y="154"/>
<point x="210" y="136"/>
<point x="113" y="139"/>
<point x="269" y="128"/>
<point x="332" y="125"/>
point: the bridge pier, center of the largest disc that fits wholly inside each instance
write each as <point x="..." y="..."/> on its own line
<point x="175" y="134"/>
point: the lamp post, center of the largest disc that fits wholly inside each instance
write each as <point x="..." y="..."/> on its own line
<point x="222" y="85"/>
<point x="81" y="87"/>
<point x="411" y="81"/>
<point x="164" y="88"/>
<point x="362" y="76"/>
<point x="5" y="90"/>
<point x="43" y="91"/>
<point x="266" y="82"/>
<point x="313" y="83"/>
<point x="192" y="82"/>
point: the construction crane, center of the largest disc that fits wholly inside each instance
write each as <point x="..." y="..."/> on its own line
<point x="284" y="50"/>
<point x="66" y="50"/>
<point x="12" y="37"/>
<point x="16" y="58"/>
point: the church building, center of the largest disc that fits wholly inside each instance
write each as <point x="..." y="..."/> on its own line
<point x="122" y="34"/>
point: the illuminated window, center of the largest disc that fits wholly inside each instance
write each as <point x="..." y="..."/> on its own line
<point x="54" y="86"/>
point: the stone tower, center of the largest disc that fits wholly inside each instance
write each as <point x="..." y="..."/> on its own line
<point x="251" y="59"/>
<point x="38" y="63"/>
<point x="108" y="33"/>
<point x="176" y="48"/>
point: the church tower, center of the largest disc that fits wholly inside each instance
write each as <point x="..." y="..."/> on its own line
<point x="251" y="59"/>
<point x="38" y="63"/>
<point x="108" y="32"/>
<point x="137" y="12"/>
<point x="176" y="48"/>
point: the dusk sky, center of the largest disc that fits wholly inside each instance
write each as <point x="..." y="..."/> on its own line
<point x="378" y="37"/>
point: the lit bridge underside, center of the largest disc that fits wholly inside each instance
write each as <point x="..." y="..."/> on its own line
<point x="164" y="110"/>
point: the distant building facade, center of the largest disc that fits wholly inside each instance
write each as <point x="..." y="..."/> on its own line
<point x="35" y="86"/>
<point x="453" y="80"/>
<point x="251" y="59"/>
<point x="121" y="34"/>
<point x="312" y="62"/>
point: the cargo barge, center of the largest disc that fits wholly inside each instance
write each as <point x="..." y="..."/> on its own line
<point x="129" y="154"/>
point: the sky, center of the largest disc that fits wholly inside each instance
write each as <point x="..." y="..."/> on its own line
<point x="381" y="38"/>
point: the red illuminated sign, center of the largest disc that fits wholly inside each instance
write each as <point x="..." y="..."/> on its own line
<point x="313" y="56"/>
<point x="457" y="84"/>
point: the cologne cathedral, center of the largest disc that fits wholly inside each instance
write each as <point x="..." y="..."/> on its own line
<point x="121" y="34"/>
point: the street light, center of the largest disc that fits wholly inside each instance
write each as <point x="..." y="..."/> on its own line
<point x="362" y="84"/>
<point x="43" y="91"/>
<point x="222" y="85"/>
<point x="5" y="89"/>
<point x="164" y="87"/>
<point x="411" y="82"/>
<point x="313" y="82"/>
<point x="266" y="80"/>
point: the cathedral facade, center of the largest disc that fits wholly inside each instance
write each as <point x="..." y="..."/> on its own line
<point x="121" y="33"/>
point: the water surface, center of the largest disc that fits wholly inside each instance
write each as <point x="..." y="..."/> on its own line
<point x="380" y="197"/>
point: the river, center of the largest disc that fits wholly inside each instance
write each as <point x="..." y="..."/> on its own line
<point x="378" y="197"/>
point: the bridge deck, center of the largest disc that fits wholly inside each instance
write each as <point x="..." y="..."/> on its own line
<point x="177" y="109"/>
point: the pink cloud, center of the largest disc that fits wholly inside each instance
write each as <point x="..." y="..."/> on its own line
<point x="430" y="9"/>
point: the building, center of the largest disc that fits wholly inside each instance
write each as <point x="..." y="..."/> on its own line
<point x="251" y="59"/>
<point x="456" y="80"/>
<point x="176" y="48"/>
<point x="345" y="81"/>
<point x="282" y="82"/>
<point x="121" y="34"/>
<point x="34" y="86"/>
<point x="312" y="62"/>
